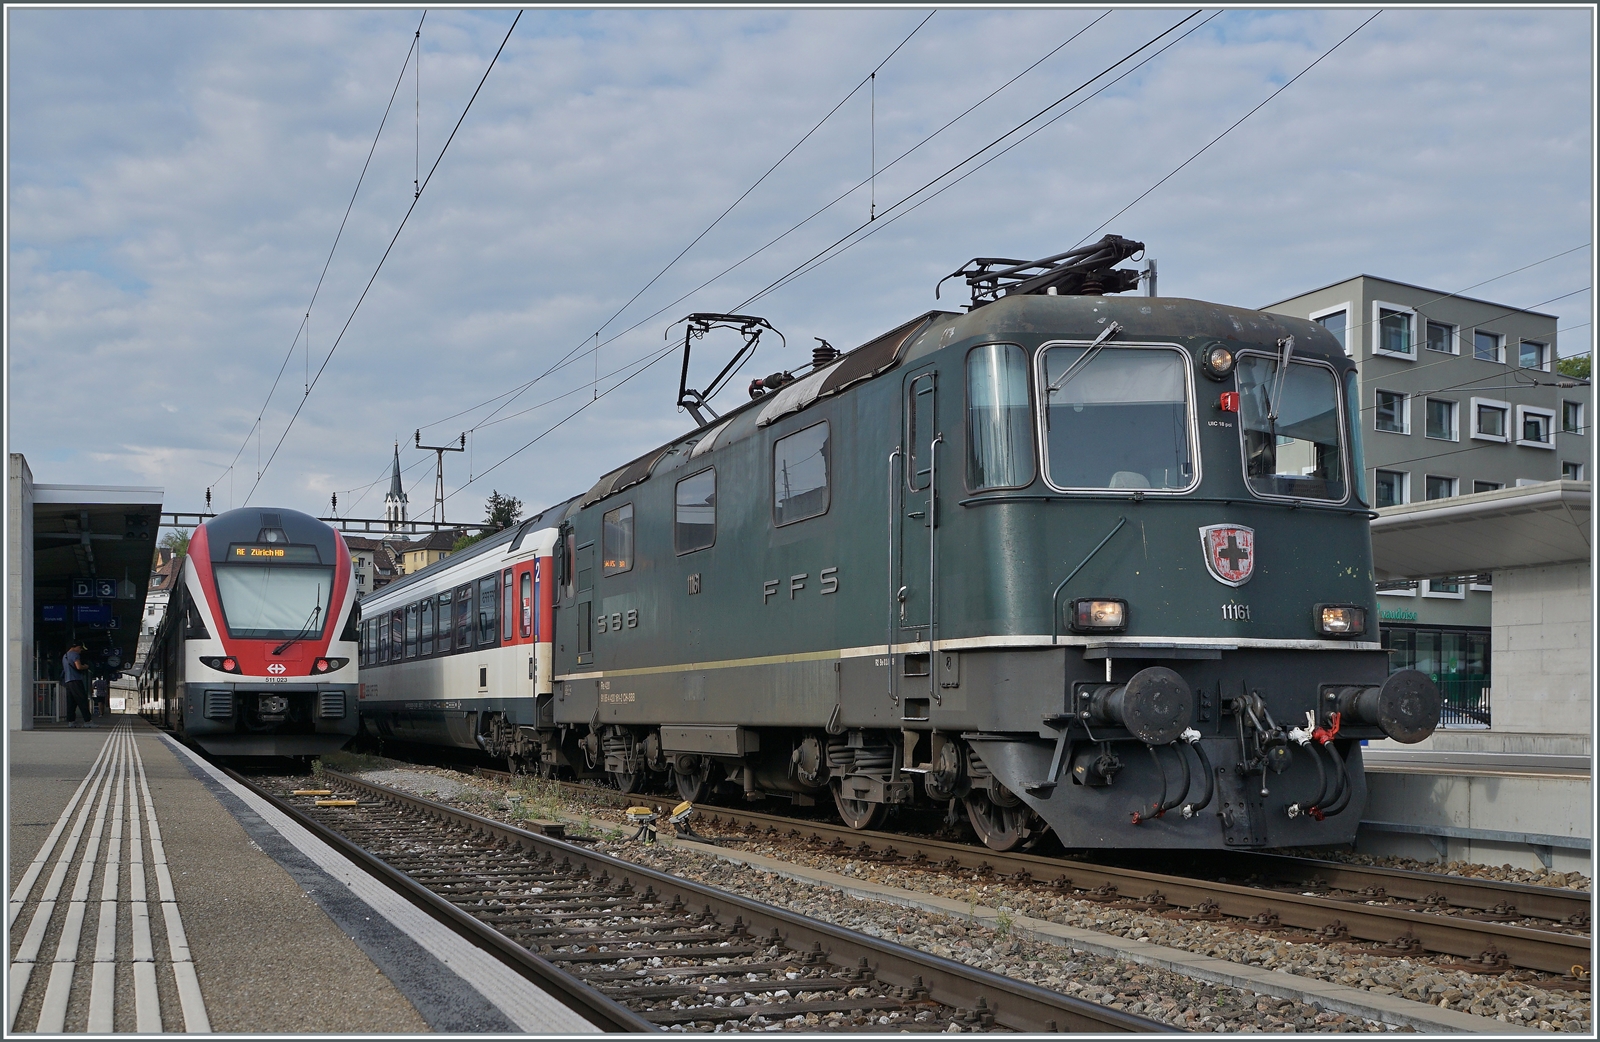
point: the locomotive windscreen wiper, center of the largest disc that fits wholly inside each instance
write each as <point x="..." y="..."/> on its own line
<point x="305" y="629"/>
<point x="1287" y="346"/>
<point x="1111" y="330"/>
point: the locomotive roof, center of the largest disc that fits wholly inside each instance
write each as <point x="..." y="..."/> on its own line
<point x="252" y="524"/>
<point x="1026" y="316"/>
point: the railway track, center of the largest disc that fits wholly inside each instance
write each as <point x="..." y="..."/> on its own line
<point x="646" y="950"/>
<point x="1386" y="911"/>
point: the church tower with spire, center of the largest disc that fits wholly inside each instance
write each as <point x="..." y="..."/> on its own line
<point x="395" y="503"/>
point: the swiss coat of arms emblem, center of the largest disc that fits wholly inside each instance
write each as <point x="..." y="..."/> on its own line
<point x="1230" y="552"/>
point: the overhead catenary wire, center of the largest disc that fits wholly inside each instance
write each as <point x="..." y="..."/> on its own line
<point x="1230" y="129"/>
<point x="863" y="232"/>
<point x="305" y="322"/>
<point x="663" y="354"/>
<point x="570" y="356"/>
<point x="517" y="392"/>
<point x="409" y="210"/>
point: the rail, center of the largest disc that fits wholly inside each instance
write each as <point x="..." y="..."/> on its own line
<point x="462" y="858"/>
<point x="1419" y="924"/>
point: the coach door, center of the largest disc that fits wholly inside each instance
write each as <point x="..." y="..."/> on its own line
<point x="585" y="606"/>
<point x="921" y="447"/>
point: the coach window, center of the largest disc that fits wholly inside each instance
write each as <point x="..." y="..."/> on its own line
<point x="507" y="609"/>
<point x="1290" y="424"/>
<point x="800" y="471"/>
<point x="446" y="613"/>
<point x="999" y="430"/>
<point x="397" y="634"/>
<point x="411" y="631"/>
<point x="382" y="623"/>
<point x="616" y="537"/>
<point x="695" y="524"/>
<point x="1116" y="418"/>
<point x="463" y="616"/>
<point x="486" y="606"/>
<point x="527" y="604"/>
<point x="426" y="627"/>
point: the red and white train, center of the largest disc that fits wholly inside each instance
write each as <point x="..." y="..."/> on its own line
<point x="459" y="654"/>
<point x="256" y="655"/>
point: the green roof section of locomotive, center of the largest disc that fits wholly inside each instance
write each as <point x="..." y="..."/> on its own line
<point x="1034" y="317"/>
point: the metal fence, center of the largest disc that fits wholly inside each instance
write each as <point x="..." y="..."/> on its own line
<point x="46" y="700"/>
<point x="1465" y="698"/>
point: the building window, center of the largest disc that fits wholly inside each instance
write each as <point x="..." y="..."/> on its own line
<point x="1441" y="338"/>
<point x="1486" y="346"/>
<point x="1487" y="486"/>
<point x="1491" y="419"/>
<point x="1571" y="471"/>
<point x="1394" y="413"/>
<point x="1534" y="426"/>
<point x="695" y="523"/>
<point x="616" y="540"/>
<point x="1531" y="355"/>
<point x="1336" y="322"/>
<point x="1441" y="419"/>
<point x="1440" y="488"/>
<point x="1391" y="488"/>
<point x="800" y="475"/>
<point x="1396" y="331"/>
<point x="1398" y="590"/>
<point x="1457" y="659"/>
<point x="1450" y="588"/>
<point x="1572" y="417"/>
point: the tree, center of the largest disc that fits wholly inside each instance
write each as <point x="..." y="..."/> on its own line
<point x="502" y="511"/>
<point x="176" y="540"/>
<point x="1576" y="366"/>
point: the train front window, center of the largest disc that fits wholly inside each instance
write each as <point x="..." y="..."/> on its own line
<point x="1116" y="419"/>
<point x="274" y="601"/>
<point x="1289" y="420"/>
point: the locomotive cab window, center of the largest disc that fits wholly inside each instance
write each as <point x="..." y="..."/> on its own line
<point x="999" y="429"/>
<point x="267" y="599"/>
<point x="1289" y="421"/>
<point x="695" y="523"/>
<point x="801" y="466"/>
<point x="617" y="540"/>
<point x="1116" y="418"/>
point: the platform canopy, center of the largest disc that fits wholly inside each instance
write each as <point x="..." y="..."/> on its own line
<point x="1520" y="527"/>
<point x="92" y="547"/>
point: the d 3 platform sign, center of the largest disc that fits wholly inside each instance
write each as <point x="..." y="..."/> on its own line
<point x="86" y="588"/>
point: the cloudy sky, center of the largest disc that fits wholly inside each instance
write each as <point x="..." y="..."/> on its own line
<point x="177" y="178"/>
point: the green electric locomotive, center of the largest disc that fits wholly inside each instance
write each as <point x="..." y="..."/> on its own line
<point x="1071" y="562"/>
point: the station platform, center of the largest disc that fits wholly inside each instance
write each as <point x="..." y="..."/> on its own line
<point x="1480" y="797"/>
<point x="149" y="892"/>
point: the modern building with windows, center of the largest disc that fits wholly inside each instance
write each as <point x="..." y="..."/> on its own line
<point x="1458" y="396"/>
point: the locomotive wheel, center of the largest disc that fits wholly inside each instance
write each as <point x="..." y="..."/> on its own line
<point x="695" y="786"/>
<point x="1000" y="828"/>
<point x="631" y="781"/>
<point x="859" y="814"/>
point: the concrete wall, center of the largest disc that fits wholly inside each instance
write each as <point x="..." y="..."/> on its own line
<point x="19" y="595"/>
<point x="1542" y="647"/>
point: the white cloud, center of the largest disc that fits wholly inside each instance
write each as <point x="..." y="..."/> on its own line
<point x="178" y="175"/>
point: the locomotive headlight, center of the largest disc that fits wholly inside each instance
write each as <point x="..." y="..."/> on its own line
<point x="1341" y="620"/>
<point x="1099" y="614"/>
<point x="1217" y="361"/>
<point x="273" y="704"/>
<point x="327" y="665"/>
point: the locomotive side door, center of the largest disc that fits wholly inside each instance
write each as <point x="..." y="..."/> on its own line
<point x="918" y="512"/>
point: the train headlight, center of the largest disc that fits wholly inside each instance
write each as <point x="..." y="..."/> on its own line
<point x="1099" y="614"/>
<point x="1217" y="361"/>
<point x="328" y="665"/>
<point x="1341" y="620"/>
<point x="227" y="664"/>
<point x="273" y="704"/>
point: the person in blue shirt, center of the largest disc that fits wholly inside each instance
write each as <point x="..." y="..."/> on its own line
<point x="74" y="674"/>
